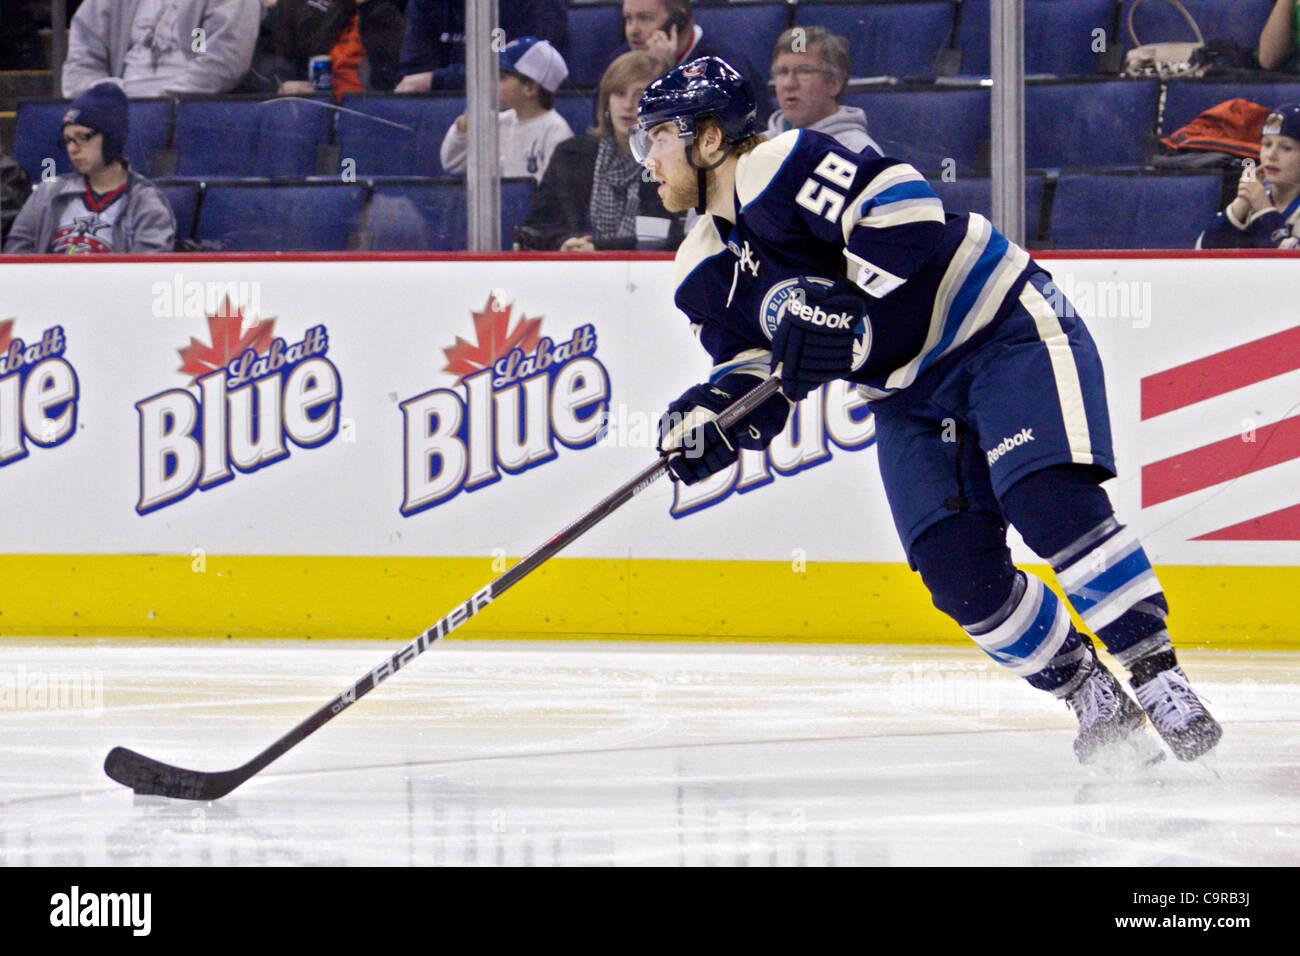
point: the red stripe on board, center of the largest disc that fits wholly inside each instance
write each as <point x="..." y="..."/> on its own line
<point x="119" y="257"/>
<point x="1221" y="461"/>
<point x="1221" y="372"/>
<point x="1281" y="525"/>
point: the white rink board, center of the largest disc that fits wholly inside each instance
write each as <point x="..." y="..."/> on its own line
<point x="389" y="322"/>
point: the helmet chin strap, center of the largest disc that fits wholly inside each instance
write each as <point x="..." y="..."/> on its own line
<point x="702" y="198"/>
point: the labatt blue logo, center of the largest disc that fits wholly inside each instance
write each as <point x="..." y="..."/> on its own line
<point x="38" y="393"/>
<point x="256" y="394"/>
<point x="833" y="416"/>
<point x="523" y="393"/>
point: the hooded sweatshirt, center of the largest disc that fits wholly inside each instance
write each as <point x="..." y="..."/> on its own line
<point x="848" y="124"/>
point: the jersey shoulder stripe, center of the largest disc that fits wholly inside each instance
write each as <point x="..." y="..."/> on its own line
<point x="759" y="168"/>
<point x="703" y="242"/>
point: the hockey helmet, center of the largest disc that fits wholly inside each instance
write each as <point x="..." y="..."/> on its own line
<point x="708" y="86"/>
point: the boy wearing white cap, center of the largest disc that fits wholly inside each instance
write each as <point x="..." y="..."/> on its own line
<point x="530" y="128"/>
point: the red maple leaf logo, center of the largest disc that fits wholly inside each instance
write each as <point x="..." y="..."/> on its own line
<point x="6" y="334"/>
<point x="495" y="339"/>
<point x="232" y="335"/>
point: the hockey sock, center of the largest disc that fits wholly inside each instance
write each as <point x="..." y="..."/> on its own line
<point x="1064" y="515"/>
<point x="1031" y="636"/>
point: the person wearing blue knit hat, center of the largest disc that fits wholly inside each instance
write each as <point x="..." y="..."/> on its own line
<point x="1266" y="212"/>
<point x="104" y="206"/>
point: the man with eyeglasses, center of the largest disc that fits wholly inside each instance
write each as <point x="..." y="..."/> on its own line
<point x="810" y="66"/>
<point x="104" y="206"/>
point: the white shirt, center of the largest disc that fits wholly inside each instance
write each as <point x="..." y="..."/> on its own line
<point x="526" y="146"/>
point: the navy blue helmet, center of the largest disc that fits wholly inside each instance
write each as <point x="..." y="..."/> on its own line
<point x="708" y="86"/>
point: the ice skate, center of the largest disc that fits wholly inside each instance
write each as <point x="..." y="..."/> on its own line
<point x="1107" y="715"/>
<point x="1178" y="714"/>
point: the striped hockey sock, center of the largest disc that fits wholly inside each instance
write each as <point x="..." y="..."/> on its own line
<point x="1031" y="635"/>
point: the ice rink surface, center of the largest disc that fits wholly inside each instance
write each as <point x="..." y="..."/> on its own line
<point x="531" y="753"/>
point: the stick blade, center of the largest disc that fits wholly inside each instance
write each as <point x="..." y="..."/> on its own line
<point x="148" y="776"/>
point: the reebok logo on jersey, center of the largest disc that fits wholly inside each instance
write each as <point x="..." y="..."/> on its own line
<point x="814" y="315"/>
<point x="1010" y="443"/>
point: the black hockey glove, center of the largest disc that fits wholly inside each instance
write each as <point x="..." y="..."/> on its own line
<point x="692" y="441"/>
<point x="814" y="342"/>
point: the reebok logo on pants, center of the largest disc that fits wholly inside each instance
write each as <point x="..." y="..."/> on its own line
<point x="1024" y="436"/>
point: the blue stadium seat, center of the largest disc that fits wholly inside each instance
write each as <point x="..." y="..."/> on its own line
<point x="431" y="215"/>
<point x="749" y="30"/>
<point x="975" y="194"/>
<point x="1237" y="20"/>
<point x="1058" y="35"/>
<point x="279" y="217"/>
<point x="227" y="137"/>
<point x="1107" y="210"/>
<point x="885" y="39"/>
<point x="397" y="135"/>
<point x="183" y="196"/>
<point x="1089" y="124"/>
<point x="927" y="127"/>
<point x="595" y="32"/>
<point x="1187" y="99"/>
<point x="578" y="110"/>
<point x="36" y="136"/>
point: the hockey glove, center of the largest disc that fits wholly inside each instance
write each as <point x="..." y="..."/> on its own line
<point x="814" y="342"/>
<point x="689" y="435"/>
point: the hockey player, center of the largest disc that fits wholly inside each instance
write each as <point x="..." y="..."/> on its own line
<point x="818" y="263"/>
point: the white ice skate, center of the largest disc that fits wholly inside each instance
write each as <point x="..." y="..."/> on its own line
<point x="1110" y="721"/>
<point x="1178" y="714"/>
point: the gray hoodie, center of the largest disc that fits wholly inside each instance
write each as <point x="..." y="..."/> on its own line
<point x="848" y="124"/>
<point x="100" y="35"/>
<point x="146" y="225"/>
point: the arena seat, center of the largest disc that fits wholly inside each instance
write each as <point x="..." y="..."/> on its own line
<point x="885" y="39"/>
<point x="250" y="137"/>
<point x="1186" y="99"/>
<point x="396" y="135"/>
<point x="1108" y="123"/>
<point x="1116" y="210"/>
<point x="578" y="110"/>
<point x="927" y="127"/>
<point x="430" y="215"/>
<point x="595" y="32"/>
<point x="36" y="135"/>
<point x="1058" y="35"/>
<point x="278" y="217"/>
<point x="748" y="29"/>
<point x="183" y="196"/>
<point x="975" y="194"/>
<point x="1238" y="20"/>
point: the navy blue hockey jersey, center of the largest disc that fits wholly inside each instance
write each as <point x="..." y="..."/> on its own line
<point x="809" y="206"/>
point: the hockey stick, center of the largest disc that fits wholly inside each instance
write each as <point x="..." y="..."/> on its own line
<point x="146" y="775"/>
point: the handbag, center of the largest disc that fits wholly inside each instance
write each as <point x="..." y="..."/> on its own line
<point x="1164" y="60"/>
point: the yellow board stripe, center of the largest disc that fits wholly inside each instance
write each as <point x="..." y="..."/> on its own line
<point x="396" y="598"/>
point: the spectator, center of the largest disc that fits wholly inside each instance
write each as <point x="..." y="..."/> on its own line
<point x="1279" y="41"/>
<point x="363" y="39"/>
<point x="1266" y="212"/>
<point x="161" y="46"/>
<point x="667" y="28"/>
<point x="531" y="71"/>
<point x="810" y="66"/>
<point x="103" y="206"/>
<point x="593" y="195"/>
<point x="433" y="51"/>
